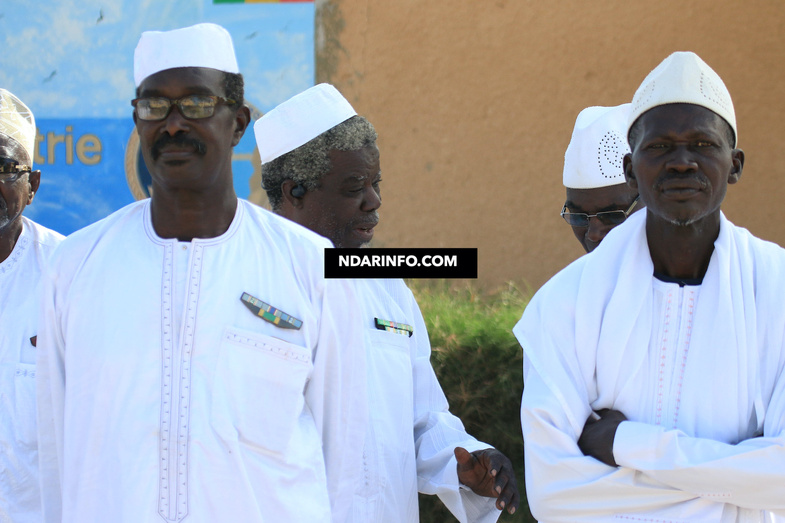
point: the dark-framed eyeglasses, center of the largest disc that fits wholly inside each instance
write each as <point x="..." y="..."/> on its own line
<point x="612" y="218"/>
<point x="10" y="170"/>
<point x="193" y="107"/>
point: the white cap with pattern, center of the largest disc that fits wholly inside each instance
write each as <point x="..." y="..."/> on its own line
<point x="684" y="78"/>
<point x="299" y="120"/>
<point x="17" y="122"/>
<point x="597" y="147"/>
<point x="200" y="45"/>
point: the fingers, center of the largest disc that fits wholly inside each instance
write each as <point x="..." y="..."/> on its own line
<point x="505" y="485"/>
<point x="513" y="503"/>
<point x="493" y="460"/>
<point x="489" y="473"/>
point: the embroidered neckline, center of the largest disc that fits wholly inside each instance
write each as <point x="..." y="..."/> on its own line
<point x="9" y="263"/>
<point x="153" y="236"/>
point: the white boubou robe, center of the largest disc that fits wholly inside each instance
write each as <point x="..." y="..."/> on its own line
<point x="411" y="435"/>
<point x="698" y="371"/>
<point x="20" y="277"/>
<point x="162" y="397"/>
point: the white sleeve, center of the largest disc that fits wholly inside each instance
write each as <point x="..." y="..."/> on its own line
<point x="436" y="434"/>
<point x="564" y="485"/>
<point x="50" y="385"/>
<point x="750" y="474"/>
<point x="336" y="393"/>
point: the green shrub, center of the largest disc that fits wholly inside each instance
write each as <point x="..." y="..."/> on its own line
<point x="480" y="367"/>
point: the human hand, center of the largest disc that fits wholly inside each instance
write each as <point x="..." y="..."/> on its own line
<point x="598" y="434"/>
<point x="489" y="473"/>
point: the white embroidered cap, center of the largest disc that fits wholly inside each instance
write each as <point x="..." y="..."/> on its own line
<point x="597" y="147"/>
<point x="684" y="78"/>
<point x="200" y="45"/>
<point x="299" y="120"/>
<point x="17" y="122"/>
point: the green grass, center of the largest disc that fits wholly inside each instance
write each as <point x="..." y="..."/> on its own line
<point x="479" y="365"/>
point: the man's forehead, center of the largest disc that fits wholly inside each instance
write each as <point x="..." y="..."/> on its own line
<point x="192" y="79"/>
<point x="599" y="199"/>
<point x="681" y="118"/>
<point x="358" y="164"/>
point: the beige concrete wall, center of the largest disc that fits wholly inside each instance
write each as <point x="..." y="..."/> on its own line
<point x="475" y="100"/>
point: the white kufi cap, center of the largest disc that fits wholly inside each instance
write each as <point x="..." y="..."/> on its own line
<point x="597" y="147"/>
<point x="17" y="122"/>
<point x="299" y="120"/>
<point x="684" y="78"/>
<point x="200" y="45"/>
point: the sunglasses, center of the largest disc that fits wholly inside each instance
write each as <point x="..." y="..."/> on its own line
<point x="193" y="107"/>
<point x="612" y="218"/>
<point x="10" y="170"/>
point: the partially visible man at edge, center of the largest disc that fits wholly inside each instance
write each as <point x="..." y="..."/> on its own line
<point x="654" y="368"/>
<point x="194" y="362"/>
<point x="598" y="197"/>
<point x="321" y="169"/>
<point x="25" y="248"/>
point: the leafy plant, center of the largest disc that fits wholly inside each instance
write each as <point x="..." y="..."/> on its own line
<point x="480" y="367"/>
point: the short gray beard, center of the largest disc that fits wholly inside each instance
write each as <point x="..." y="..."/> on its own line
<point x="683" y="222"/>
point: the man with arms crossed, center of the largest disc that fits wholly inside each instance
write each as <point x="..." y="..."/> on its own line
<point x="654" y="367"/>
<point x="194" y="362"/>
<point x="321" y="169"/>
<point x="25" y="247"/>
<point x="598" y="197"/>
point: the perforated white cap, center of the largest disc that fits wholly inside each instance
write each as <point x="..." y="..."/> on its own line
<point x="597" y="147"/>
<point x="200" y="45"/>
<point x="684" y="78"/>
<point x="17" y="122"/>
<point x="299" y="120"/>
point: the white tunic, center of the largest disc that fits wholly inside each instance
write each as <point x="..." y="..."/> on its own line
<point x="411" y="434"/>
<point x="698" y="371"/>
<point x="163" y="398"/>
<point x="20" y="275"/>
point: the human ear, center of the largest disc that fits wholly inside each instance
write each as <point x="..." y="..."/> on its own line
<point x="34" y="180"/>
<point x="241" y="121"/>
<point x="738" y="164"/>
<point x="629" y="175"/>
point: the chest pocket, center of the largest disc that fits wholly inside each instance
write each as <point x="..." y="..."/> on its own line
<point x="258" y="389"/>
<point x="390" y="383"/>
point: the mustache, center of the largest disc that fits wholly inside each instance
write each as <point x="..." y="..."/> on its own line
<point x="178" y="140"/>
<point x="371" y="220"/>
<point x="700" y="178"/>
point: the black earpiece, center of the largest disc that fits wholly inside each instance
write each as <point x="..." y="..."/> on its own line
<point x="298" y="191"/>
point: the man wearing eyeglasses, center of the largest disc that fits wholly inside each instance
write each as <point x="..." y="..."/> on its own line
<point x="598" y="197"/>
<point x="195" y="363"/>
<point x="25" y="247"/>
<point x="655" y="367"/>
